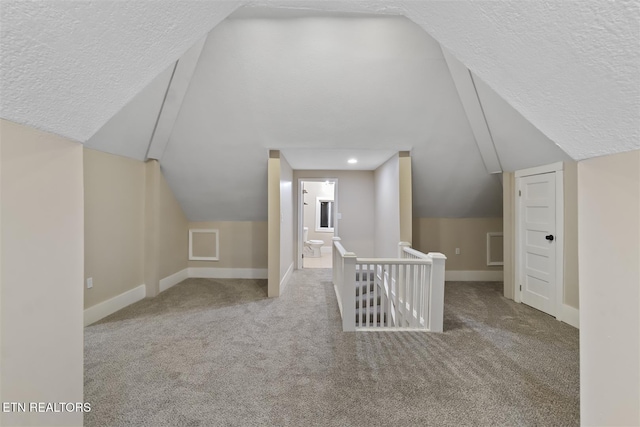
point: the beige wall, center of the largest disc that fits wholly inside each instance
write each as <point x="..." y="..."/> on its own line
<point x="151" y="259"/>
<point x="174" y="234"/>
<point x="135" y="230"/>
<point x="273" y="229"/>
<point x="406" y="197"/>
<point x="286" y="220"/>
<point x="41" y="347"/>
<point x="387" y="208"/>
<point x="508" y="226"/>
<point x="114" y="225"/>
<point x="243" y="244"/>
<point x="570" y="201"/>
<point x="355" y="199"/>
<point x="446" y="234"/>
<point x="609" y="255"/>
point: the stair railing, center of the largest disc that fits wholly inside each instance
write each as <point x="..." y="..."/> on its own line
<point x="405" y="293"/>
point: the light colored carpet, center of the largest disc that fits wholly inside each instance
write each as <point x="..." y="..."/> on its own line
<point x="219" y="353"/>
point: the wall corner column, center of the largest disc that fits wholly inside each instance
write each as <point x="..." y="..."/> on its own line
<point x="273" y="218"/>
<point x="406" y="196"/>
<point x="152" y="228"/>
<point x="508" y="233"/>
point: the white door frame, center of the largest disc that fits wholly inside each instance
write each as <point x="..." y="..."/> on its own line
<point x="558" y="168"/>
<point x="336" y="221"/>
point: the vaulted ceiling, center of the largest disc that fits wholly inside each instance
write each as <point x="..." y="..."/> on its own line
<point x="208" y="96"/>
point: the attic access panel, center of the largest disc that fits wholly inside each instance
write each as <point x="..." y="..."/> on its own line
<point x="204" y="244"/>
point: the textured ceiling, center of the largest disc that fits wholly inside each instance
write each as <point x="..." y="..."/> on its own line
<point x="68" y="66"/>
<point x="570" y="67"/>
<point x="550" y="76"/>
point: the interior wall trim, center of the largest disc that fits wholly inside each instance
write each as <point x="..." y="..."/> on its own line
<point x="173" y="279"/>
<point x="228" y="273"/>
<point x="110" y="306"/>
<point x="571" y="316"/>
<point x="473" y="276"/>
<point x="285" y="280"/>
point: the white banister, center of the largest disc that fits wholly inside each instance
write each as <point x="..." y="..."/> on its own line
<point x="401" y="247"/>
<point x="404" y="293"/>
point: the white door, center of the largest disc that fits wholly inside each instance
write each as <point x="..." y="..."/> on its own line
<point x="538" y="243"/>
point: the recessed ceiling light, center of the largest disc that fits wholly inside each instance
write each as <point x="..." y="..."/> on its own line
<point x="352" y="161"/>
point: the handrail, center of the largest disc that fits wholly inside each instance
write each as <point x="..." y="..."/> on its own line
<point x="341" y="249"/>
<point x="399" y="261"/>
<point x="415" y="253"/>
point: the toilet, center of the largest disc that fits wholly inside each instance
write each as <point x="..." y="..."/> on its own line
<point x="314" y="245"/>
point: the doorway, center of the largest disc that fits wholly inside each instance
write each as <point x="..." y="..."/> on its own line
<point x="539" y="238"/>
<point x="317" y="222"/>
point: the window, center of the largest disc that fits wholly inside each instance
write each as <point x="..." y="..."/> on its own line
<point x="324" y="215"/>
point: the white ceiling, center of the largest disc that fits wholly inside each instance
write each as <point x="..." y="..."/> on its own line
<point x="336" y="159"/>
<point x="550" y="76"/>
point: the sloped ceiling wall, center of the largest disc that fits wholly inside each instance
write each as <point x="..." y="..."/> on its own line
<point x="322" y="82"/>
<point x="518" y="143"/>
<point x="129" y="132"/>
<point x="68" y="66"/>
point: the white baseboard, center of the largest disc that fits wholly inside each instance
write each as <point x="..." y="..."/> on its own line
<point x="325" y="249"/>
<point x="570" y="316"/>
<point x="174" y="279"/>
<point x="110" y="306"/>
<point x="227" y="273"/>
<point x="473" y="276"/>
<point x="285" y="280"/>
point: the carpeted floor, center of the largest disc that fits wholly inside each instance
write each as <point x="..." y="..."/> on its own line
<point x="219" y="353"/>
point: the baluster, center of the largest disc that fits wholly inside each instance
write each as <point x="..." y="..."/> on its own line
<point x="359" y="287"/>
<point x="405" y="289"/>
<point x="386" y="285"/>
<point x="392" y="270"/>
<point x="383" y="293"/>
<point x="425" y="295"/>
<point x="421" y="294"/>
<point x="349" y="293"/>
<point x="414" y="290"/>
<point x="427" y="291"/>
<point x="409" y="305"/>
<point x="379" y="282"/>
<point x="397" y="293"/>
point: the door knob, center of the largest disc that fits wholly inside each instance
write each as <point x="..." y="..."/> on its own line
<point x="549" y="237"/>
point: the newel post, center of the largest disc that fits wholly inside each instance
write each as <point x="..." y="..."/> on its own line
<point x="349" y="293"/>
<point x="401" y="247"/>
<point x="337" y="260"/>
<point x="436" y="298"/>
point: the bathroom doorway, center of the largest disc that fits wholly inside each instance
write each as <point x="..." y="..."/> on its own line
<point x="318" y="222"/>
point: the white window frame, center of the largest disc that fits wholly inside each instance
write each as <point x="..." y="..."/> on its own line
<point x="320" y="229"/>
